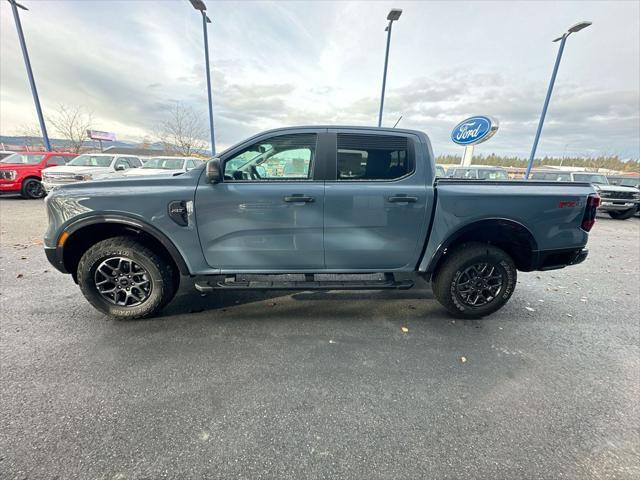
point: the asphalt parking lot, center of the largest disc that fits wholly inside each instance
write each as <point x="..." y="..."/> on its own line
<point x="321" y="385"/>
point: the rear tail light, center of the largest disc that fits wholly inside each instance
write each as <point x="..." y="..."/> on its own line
<point x="589" y="218"/>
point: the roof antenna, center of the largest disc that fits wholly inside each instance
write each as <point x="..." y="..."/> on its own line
<point x="397" y="122"/>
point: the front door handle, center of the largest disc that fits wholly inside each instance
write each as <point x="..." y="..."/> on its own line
<point x="298" y="199"/>
<point x="402" y="199"/>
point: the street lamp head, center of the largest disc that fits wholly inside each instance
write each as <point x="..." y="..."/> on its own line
<point x="13" y="2"/>
<point x="394" y="14"/>
<point x="198" y="5"/>
<point x="579" y="26"/>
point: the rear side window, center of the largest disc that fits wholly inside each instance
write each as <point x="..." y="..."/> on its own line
<point x="372" y="157"/>
<point x="57" y="160"/>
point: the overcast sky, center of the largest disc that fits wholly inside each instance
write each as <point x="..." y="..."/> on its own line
<point x="288" y="63"/>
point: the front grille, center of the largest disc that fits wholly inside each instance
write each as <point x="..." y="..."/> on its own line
<point x="59" y="177"/>
<point x="617" y="195"/>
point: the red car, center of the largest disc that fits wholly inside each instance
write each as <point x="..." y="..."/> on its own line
<point x="21" y="172"/>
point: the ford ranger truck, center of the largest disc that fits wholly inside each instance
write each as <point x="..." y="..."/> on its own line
<point x="310" y="201"/>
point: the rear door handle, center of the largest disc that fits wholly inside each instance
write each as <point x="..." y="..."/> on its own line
<point x="298" y="199"/>
<point x="402" y="199"/>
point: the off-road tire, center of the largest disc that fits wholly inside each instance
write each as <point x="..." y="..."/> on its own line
<point x="32" y="189"/>
<point x="622" y="215"/>
<point x="445" y="279"/>
<point x="160" y="271"/>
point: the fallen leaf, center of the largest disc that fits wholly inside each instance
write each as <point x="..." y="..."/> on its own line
<point x="19" y="275"/>
<point x="404" y="329"/>
<point x="23" y="258"/>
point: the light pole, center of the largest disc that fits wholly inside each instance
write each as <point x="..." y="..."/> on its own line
<point x="201" y="7"/>
<point x="25" y="54"/>
<point x="576" y="28"/>
<point x="394" y="15"/>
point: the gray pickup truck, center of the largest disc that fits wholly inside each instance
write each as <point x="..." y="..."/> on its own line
<point x="316" y="203"/>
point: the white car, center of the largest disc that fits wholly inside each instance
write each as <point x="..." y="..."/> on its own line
<point x="165" y="166"/>
<point x="89" y="166"/>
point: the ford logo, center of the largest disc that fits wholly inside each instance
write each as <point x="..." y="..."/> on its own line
<point x="474" y="130"/>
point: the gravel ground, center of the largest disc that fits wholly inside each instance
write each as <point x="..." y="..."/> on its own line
<point x="321" y="385"/>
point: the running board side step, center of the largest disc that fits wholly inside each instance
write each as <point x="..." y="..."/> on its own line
<point x="387" y="283"/>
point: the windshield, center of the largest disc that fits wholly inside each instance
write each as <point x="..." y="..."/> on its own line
<point x="164" y="163"/>
<point x="91" y="161"/>
<point x="625" y="182"/>
<point x="24" y="158"/>
<point x="591" y="178"/>
<point x="492" y="175"/>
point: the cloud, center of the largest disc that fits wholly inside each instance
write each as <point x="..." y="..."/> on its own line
<point x="276" y="64"/>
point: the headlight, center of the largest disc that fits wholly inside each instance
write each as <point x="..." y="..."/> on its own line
<point x="636" y="196"/>
<point x="8" y="174"/>
<point x="82" y="178"/>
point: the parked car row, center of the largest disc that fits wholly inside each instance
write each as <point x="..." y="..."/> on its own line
<point x="620" y="194"/>
<point x="620" y="202"/>
<point x="33" y="174"/>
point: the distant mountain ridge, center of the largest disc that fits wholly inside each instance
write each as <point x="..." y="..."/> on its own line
<point x="61" y="143"/>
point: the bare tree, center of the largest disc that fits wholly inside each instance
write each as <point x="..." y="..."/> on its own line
<point x="32" y="136"/>
<point x="72" y="123"/>
<point x="184" y="130"/>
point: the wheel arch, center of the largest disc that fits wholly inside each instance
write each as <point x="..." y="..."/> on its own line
<point x="507" y="234"/>
<point x="87" y="231"/>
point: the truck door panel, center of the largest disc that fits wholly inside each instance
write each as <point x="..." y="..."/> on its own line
<point x="376" y="208"/>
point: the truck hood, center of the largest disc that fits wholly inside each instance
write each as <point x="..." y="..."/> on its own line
<point x="136" y="172"/>
<point x="18" y="166"/>
<point x="70" y="169"/>
<point x="615" y="188"/>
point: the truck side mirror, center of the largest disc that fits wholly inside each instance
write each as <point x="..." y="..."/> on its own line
<point x="214" y="171"/>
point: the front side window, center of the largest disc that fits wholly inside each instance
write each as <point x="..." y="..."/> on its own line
<point x="372" y="157"/>
<point x="23" y="158"/>
<point x="286" y="157"/>
<point x="91" y="161"/>
<point x="121" y="162"/>
<point x="466" y="173"/>
<point x="489" y="174"/>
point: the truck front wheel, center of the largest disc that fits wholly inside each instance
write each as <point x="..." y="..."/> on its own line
<point x="32" y="188"/>
<point x="125" y="279"/>
<point x="475" y="280"/>
<point x="622" y="215"/>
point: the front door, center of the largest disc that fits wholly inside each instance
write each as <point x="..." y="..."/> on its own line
<point x="267" y="213"/>
<point x="376" y="203"/>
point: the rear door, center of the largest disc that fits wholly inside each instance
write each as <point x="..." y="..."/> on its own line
<point x="376" y="202"/>
<point x="267" y="213"/>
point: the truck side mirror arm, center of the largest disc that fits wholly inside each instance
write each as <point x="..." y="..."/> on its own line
<point x="214" y="171"/>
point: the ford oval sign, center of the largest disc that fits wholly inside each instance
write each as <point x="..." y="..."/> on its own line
<point x="474" y="130"/>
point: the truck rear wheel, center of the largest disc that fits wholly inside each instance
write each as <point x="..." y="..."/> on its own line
<point x="125" y="279"/>
<point x="475" y="280"/>
<point x="622" y="215"/>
